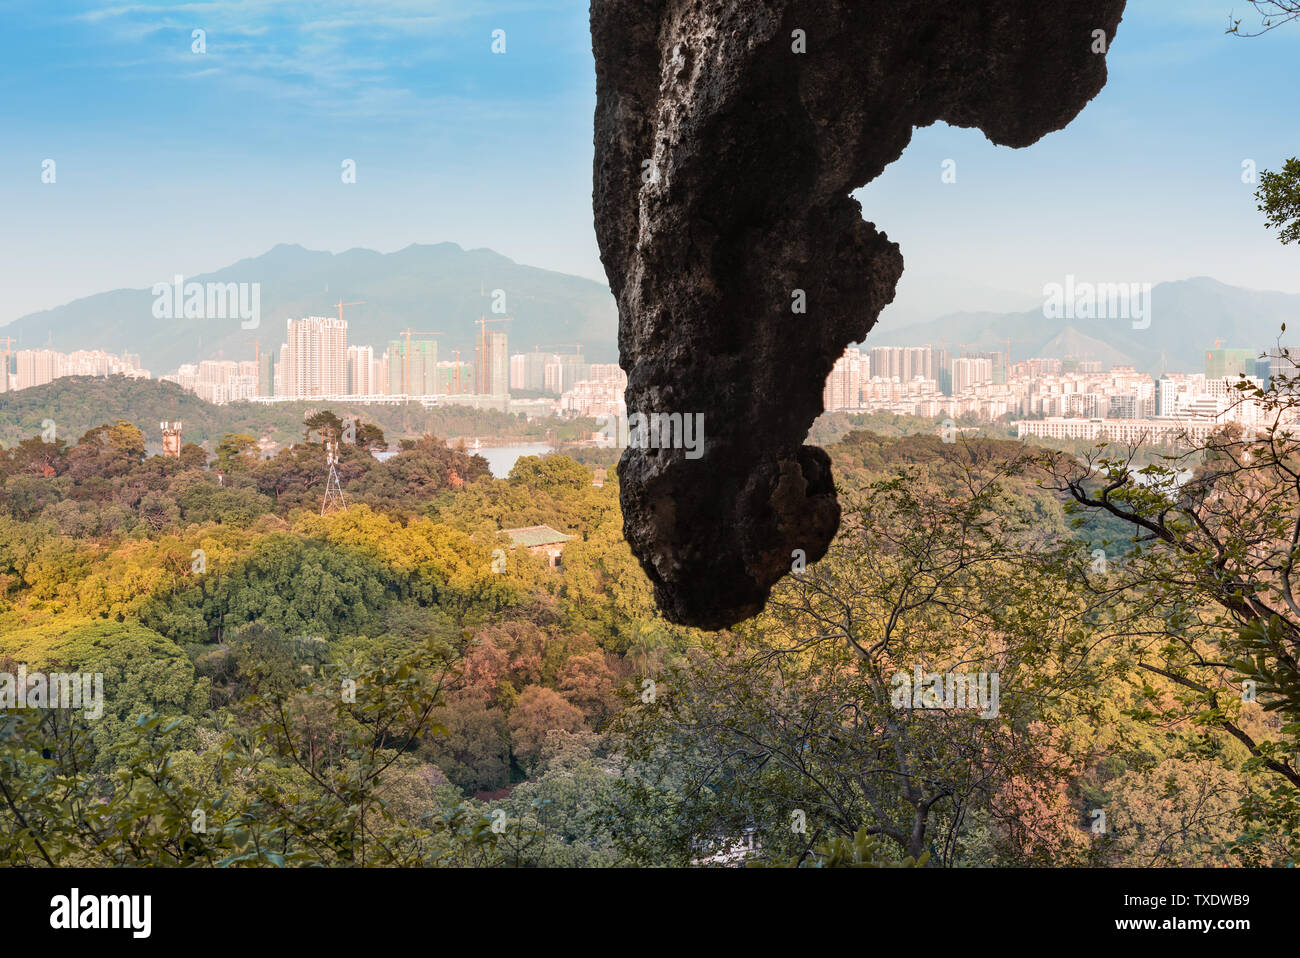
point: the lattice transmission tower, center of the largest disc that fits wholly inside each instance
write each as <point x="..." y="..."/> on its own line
<point x="333" y="488"/>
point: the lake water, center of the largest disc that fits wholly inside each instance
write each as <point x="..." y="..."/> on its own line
<point x="501" y="459"/>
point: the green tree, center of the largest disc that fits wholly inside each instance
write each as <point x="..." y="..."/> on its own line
<point x="1217" y="533"/>
<point x="193" y="457"/>
<point x="540" y="712"/>
<point x="371" y="438"/>
<point x="322" y="425"/>
<point x="1279" y="200"/>
<point x="236" y="452"/>
<point x="143" y="673"/>
<point x="793" y="727"/>
<point x="300" y="780"/>
<point x="550" y="472"/>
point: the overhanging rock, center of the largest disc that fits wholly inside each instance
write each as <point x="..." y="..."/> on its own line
<point x="729" y="135"/>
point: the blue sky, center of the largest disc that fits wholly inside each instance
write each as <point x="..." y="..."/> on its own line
<point x="170" y="161"/>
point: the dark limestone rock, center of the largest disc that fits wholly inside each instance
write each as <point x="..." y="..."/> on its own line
<point x="724" y="164"/>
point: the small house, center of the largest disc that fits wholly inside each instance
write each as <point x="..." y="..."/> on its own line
<point x="540" y="540"/>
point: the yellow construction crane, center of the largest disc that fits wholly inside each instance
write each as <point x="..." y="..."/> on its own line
<point x="484" y="323"/>
<point x="340" y="304"/>
<point x="456" y="353"/>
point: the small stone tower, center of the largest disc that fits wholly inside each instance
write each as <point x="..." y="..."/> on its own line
<point x="171" y="438"/>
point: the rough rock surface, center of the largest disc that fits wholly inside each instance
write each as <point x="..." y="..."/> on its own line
<point x="724" y="164"/>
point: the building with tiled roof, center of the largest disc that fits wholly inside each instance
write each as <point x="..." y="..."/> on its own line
<point x="540" y="540"/>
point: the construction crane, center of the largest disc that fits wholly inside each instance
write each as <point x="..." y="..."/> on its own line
<point x="481" y="385"/>
<point x="456" y="353"/>
<point x="406" y="356"/>
<point x="340" y="304"/>
<point x="577" y="346"/>
<point x="1218" y="343"/>
<point x="1009" y="342"/>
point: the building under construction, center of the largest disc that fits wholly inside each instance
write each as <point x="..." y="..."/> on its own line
<point x="492" y="360"/>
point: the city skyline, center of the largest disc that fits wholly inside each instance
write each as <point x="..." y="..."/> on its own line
<point x="450" y="140"/>
<point x="1059" y="399"/>
<point x="1046" y="397"/>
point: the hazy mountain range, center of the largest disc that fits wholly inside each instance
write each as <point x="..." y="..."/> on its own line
<point x="444" y="288"/>
<point x="440" y="288"/>
<point x="922" y="296"/>
<point x="1187" y="317"/>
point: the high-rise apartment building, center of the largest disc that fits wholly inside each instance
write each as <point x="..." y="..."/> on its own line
<point x="904" y="363"/>
<point x="528" y="370"/>
<point x="1273" y="365"/>
<point x="553" y="373"/>
<point x="455" y="378"/>
<point x="493" y="364"/>
<point x="361" y="371"/>
<point x="413" y="373"/>
<point x="266" y="373"/>
<point x="918" y="361"/>
<point x="36" y="367"/>
<point x="422" y="368"/>
<point x="316" y="355"/>
<point x="1166" y="397"/>
<point x="606" y="373"/>
<point x="970" y="371"/>
<point x="218" y="381"/>
<point x="843" y="388"/>
<point x="886" y="362"/>
<point x="393" y="368"/>
<point x="563" y="372"/>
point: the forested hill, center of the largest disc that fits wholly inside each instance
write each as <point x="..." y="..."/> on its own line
<point x="216" y="600"/>
<point x="77" y="404"/>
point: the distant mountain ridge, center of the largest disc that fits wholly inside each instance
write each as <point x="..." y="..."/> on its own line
<point x="445" y="288"/>
<point x="1187" y="317"/>
<point x="433" y="288"/>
